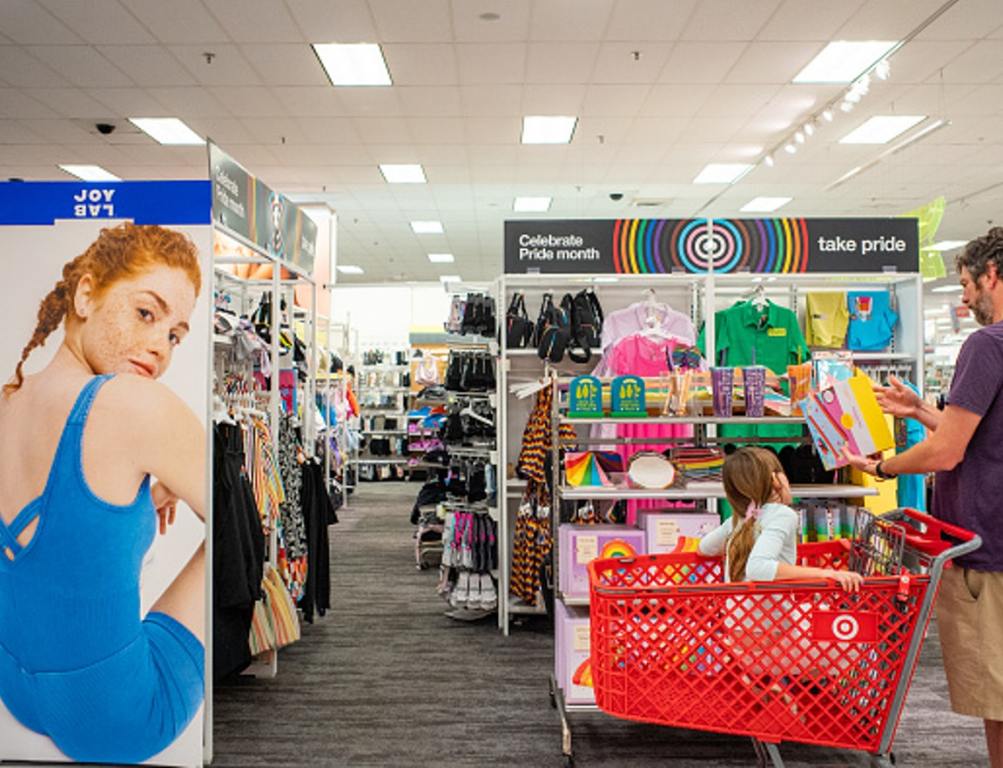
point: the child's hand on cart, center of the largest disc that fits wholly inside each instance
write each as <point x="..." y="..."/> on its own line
<point x="850" y="581"/>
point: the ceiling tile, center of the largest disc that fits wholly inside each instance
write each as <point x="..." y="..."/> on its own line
<point x="58" y="131"/>
<point x="256" y="21"/>
<point x="311" y="101"/>
<point x="550" y="20"/>
<point x="347" y="21"/>
<point x="919" y="60"/>
<point x="382" y="130"/>
<point x="564" y="99"/>
<point x="428" y="101"/>
<point x="148" y="64"/>
<point x="441" y="154"/>
<point x="128" y="102"/>
<point x="771" y="62"/>
<point x="613" y="130"/>
<point x="815" y="20"/>
<point x="370" y="102"/>
<point x="274" y="130"/>
<point x="488" y="100"/>
<point x="26" y="22"/>
<point x="251" y="101"/>
<point x="561" y="62"/>
<point x="81" y="65"/>
<point x="189" y="102"/>
<point x="656" y="131"/>
<point x="512" y="25"/>
<point x="486" y="155"/>
<point x="708" y="129"/>
<point x="179" y="21"/>
<point x="887" y="20"/>
<point x="421" y="63"/>
<point x="630" y="62"/>
<point x="69" y="102"/>
<point x="436" y="130"/>
<point x="491" y="62"/>
<point x="12" y="132"/>
<point x="614" y="100"/>
<point x="100" y="21"/>
<point x="678" y="100"/>
<point x="492" y="130"/>
<point x="31" y="154"/>
<point x="397" y="22"/>
<point x="224" y="131"/>
<point x="700" y="62"/>
<point x="18" y="104"/>
<point x="287" y="65"/>
<point x="729" y="19"/>
<point x="982" y="63"/>
<point x="737" y="101"/>
<point x="227" y="67"/>
<point x="330" y="130"/>
<point x="649" y="19"/>
<point x="982" y="101"/>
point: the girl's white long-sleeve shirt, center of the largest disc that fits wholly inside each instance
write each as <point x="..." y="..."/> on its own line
<point x="776" y="542"/>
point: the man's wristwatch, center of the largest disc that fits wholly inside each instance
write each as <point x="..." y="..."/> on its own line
<point x="880" y="472"/>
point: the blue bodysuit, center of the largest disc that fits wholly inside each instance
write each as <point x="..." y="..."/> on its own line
<point x="77" y="663"/>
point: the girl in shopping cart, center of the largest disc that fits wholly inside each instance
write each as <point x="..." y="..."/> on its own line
<point x="759" y="541"/>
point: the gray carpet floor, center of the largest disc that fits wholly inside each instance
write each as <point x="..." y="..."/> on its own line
<point x="385" y="679"/>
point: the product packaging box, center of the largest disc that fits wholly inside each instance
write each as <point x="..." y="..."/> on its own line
<point x="674" y="531"/>
<point x="846" y="413"/>
<point x="572" y="663"/>
<point x="582" y="543"/>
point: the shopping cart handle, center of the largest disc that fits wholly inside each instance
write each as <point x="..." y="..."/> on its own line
<point x="936" y="536"/>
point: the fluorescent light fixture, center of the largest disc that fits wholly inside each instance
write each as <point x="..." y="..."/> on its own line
<point x="426" y="227"/>
<point x="722" y="173"/>
<point x="881" y="129"/>
<point x="450" y="279"/>
<point x="531" y="204"/>
<point x="440" y="258"/>
<point x="765" y="204"/>
<point x="547" y="129"/>
<point x="353" y="64"/>
<point x="843" y="61"/>
<point x="947" y="289"/>
<point x="90" y="172"/>
<point x="946" y="245"/>
<point x="168" y="130"/>
<point x="350" y="269"/>
<point x="403" y="174"/>
<point x="827" y="115"/>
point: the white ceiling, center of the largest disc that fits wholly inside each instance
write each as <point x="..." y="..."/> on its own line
<point x="711" y="83"/>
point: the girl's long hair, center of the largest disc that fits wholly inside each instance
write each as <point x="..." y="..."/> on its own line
<point x="748" y="479"/>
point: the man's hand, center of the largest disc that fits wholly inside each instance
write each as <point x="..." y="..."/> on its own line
<point x="897" y="399"/>
<point x="166" y="504"/>
<point x="866" y="464"/>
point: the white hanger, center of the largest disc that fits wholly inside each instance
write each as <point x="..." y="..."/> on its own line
<point x="758" y="298"/>
<point x="469" y="411"/>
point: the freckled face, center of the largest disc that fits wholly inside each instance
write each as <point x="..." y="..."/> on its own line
<point x="135" y="326"/>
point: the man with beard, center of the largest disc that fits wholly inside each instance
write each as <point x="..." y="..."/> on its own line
<point x="965" y="449"/>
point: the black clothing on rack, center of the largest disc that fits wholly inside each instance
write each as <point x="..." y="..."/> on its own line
<point x="238" y="554"/>
<point x="318" y="513"/>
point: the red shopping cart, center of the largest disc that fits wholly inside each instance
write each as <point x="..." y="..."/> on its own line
<point x="672" y="643"/>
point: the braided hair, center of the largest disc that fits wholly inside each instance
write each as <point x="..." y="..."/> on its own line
<point x="118" y="253"/>
<point x="980" y="252"/>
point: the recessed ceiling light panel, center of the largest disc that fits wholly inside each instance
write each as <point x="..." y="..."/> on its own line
<point x="426" y="227"/>
<point x="843" y="61"/>
<point x="548" y="129"/>
<point x="403" y="173"/>
<point x="881" y="129"/>
<point x="167" y="130"/>
<point x="531" y="204"/>
<point x="90" y="172"/>
<point x="722" y="173"/>
<point x="765" y="204"/>
<point x="353" y="64"/>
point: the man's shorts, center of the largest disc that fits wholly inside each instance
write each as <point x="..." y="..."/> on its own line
<point x="970" y="623"/>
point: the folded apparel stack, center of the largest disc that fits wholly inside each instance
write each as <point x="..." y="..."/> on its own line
<point x="699" y="464"/>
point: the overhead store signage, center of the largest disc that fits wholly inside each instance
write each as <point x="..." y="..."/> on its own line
<point x="249" y="208"/>
<point x="43" y="203"/>
<point x="662" y="246"/>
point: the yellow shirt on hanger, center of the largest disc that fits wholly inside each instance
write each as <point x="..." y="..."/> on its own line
<point x="826" y="319"/>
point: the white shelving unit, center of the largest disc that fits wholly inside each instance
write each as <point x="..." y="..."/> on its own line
<point x="368" y="411"/>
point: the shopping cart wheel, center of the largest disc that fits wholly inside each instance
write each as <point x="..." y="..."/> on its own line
<point x="883" y="761"/>
<point x="569" y="761"/>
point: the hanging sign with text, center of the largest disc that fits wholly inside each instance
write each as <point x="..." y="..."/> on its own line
<point x="662" y="246"/>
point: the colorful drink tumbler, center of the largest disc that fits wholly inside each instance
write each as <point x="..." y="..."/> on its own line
<point x="722" y="381"/>
<point x="754" y="379"/>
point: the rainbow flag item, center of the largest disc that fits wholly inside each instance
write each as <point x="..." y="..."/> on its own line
<point x="582" y="469"/>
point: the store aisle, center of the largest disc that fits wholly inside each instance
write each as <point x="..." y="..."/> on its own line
<point x="386" y="680"/>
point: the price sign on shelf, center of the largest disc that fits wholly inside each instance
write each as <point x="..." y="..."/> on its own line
<point x="628" y="397"/>
<point x="585" y="399"/>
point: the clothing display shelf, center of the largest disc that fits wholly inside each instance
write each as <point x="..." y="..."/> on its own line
<point x="388" y="385"/>
<point x="697" y="295"/>
<point x="279" y="290"/>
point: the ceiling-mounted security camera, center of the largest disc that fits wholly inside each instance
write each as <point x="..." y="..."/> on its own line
<point x="105" y="128"/>
<point x="616" y="196"/>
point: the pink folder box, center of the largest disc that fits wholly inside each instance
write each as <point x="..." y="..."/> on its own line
<point x="662" y="530"/>
<point x="572" y="665"/>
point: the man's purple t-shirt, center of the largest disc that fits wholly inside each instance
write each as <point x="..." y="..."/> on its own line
<point x="971" y="494"/>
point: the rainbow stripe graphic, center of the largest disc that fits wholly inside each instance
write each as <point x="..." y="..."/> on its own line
<point x="660" y="246"/>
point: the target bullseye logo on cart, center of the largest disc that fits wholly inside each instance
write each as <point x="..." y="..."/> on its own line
<point x="843" y="627"/>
